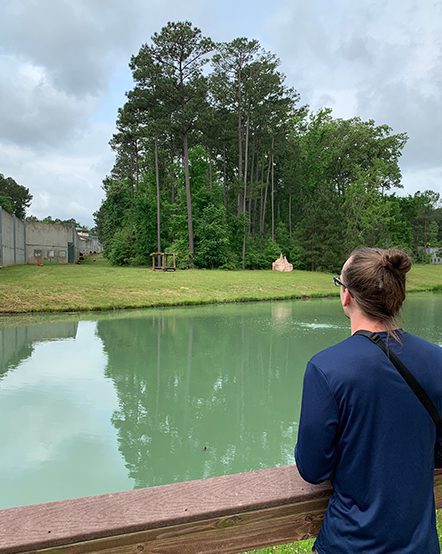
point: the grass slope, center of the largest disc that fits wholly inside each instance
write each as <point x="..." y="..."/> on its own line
<point x="99" y="286"/>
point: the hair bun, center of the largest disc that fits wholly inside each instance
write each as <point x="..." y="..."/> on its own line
<point x="396" y="260"/>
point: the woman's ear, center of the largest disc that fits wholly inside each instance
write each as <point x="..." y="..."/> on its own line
<point x="346" y="298"/>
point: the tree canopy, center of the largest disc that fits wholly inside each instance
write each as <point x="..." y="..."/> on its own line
<point x="218" y="160"/>
<point x="14" y="198"/>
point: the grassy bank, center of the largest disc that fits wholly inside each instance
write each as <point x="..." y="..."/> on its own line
<point x="99" y="286"/>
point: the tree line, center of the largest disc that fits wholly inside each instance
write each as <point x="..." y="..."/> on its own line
<point x="218" y="160"/>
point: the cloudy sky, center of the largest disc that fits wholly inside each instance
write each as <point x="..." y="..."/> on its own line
<point x="64" y="72"/>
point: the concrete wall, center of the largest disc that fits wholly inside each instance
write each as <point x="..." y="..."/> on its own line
<point x="16" y="343"/>
<point x="32" y="242"/>
<point x="435" y="253"/>
<point x="20" y="241"/>
<point x="48" y="242"/>
<point x="12" y="239"/>
<point x="90" y="246"/>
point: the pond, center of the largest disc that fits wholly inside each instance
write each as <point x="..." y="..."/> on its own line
<point x="107" y="402"/>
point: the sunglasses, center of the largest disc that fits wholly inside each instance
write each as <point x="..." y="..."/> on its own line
<point x="337" y="281"/>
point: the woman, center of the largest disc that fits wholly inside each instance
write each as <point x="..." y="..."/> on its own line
<point x="362" y="426"/>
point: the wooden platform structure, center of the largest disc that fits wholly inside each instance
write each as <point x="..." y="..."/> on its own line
<point x="226" y="514"/>
<point x="163" y="261"/>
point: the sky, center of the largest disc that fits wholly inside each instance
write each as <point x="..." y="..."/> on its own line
<point x="64" y="73"/>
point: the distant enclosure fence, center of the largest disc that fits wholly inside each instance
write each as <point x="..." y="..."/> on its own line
<point x="12" y="239"/>
<point x="34" y="242"/>
<point x="226" y="514"/>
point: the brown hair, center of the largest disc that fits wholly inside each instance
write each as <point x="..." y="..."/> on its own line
<point x="376" y="279"/>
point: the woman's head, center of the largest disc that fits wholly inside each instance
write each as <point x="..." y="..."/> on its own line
<point x="376" y="280"/>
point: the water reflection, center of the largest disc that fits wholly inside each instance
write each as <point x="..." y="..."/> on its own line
<point x="133" y="399"/>
<point x="17" y="343"/>
<point x="206" y="391"/>
<point x="423" y="316"/>
<point x="57" y="438"/>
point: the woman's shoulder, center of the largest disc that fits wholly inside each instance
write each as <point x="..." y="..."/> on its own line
<point x="410" y="340"/>
<point x="347" y="348"/>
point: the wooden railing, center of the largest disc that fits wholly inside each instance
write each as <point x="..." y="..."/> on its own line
<point x="222" y="514"/>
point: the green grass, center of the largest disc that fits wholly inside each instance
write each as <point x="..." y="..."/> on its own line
<point x="99" y="286"/>
<point x="301" y="547"/>
<point x="305" y="547"/>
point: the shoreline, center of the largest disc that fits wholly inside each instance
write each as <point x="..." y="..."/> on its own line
<point x="188" y="303"/>
<point x="100" y="287"/>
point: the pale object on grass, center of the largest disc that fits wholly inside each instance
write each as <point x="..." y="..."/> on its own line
<point x="281" y="264"/>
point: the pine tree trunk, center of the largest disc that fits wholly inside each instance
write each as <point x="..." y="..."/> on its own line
<point x="261" y="198"/>
<point x="172" y="177"/>
<point x="157" y="178"/>
<point x="239" y="130"/>
<point x="188" y="197"/>
<point x="264" y="208"/>
<point x="239" y="99"/>
<point x="246" y="165"/>
<point x="253" y="172"/>
<point x="290" y="215"/>
<point x="210" y="172"/>
<point x="137" y="166"/>
<point x="244" y="248"/>
<point x="273" y="193"/>
<point x="225" y="180"/>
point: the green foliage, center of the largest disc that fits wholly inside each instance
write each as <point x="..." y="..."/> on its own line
<point x="367" y="215"/>
<point x="14" y="198"/>
<point x="282" y="238"/>
<point x="243" y="173"/>
<point x="180" y="247"/>
<point x="433" y="233"/>
<point x="57" y="221"/>
<point x="113" y="212"/>
<point x="262" y="258"/>
<point x="122" y="249"/>
<point x="6" y="203"/>
<point x="213" y="238"/>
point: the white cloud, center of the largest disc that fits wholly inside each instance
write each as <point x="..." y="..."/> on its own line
<point x="422" y="179"/>
<point x="61" y="63"/>
<point x="63" y="73"/>
<point x="32" y="110"/>
<point x="65" y="183"/>
<point x="379" y="60"/>
<point x="77" y="41"/>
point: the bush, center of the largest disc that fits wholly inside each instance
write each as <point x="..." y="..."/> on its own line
<point x="212" y="246"/>
<point x="262" y="258"/>
<point x="181" y="248"/>
<point x="122" y="249"/>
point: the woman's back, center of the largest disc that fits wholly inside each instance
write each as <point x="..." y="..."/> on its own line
<point x="363" y="428"/>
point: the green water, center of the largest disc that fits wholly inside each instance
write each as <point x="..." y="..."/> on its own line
<point x="111" y="402"/>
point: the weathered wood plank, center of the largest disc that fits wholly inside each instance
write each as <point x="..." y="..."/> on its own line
<point x="224" y="534"/>
<point x="222" y="514"/>
<point x="77" y="520"/>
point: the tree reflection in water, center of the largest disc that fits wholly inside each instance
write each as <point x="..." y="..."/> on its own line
<point x="207" y="391"/>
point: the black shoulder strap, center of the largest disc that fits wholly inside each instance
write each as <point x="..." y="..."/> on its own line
<point x="408" y="377"/>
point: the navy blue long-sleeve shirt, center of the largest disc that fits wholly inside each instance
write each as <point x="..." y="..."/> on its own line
<point x="363" y="428"/>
